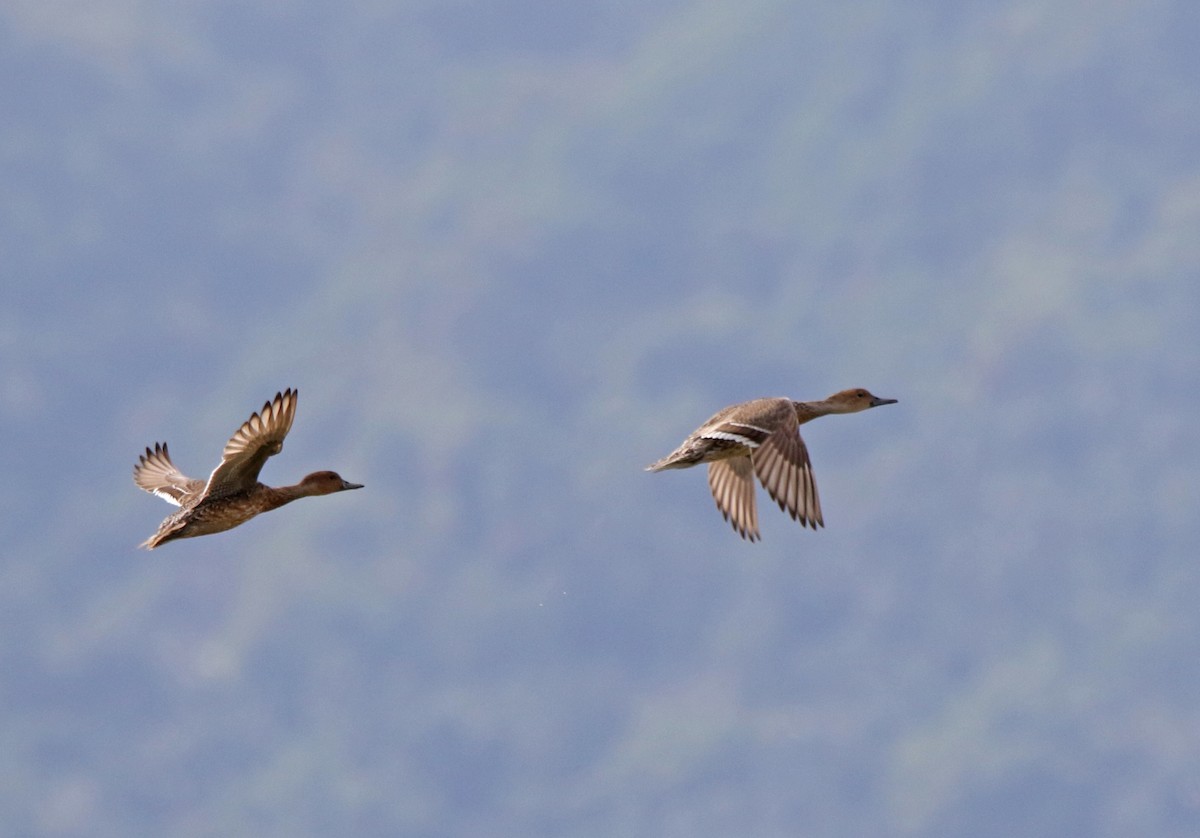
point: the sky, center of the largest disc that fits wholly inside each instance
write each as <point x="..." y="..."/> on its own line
<point x="510" y="254"/>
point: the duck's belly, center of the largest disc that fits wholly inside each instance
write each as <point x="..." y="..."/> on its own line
<point x="206" y="520"/>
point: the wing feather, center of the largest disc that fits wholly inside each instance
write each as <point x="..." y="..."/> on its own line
<point x="259" y="438"/>
<point x="156" y="474"/>
<point x="784" y="469"/>
<point x="732" y="484"/>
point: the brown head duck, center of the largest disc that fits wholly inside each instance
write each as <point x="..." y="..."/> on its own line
<point x="232" y="494"/>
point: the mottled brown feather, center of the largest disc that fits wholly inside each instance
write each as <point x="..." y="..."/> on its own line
<point x="232" y="495"/>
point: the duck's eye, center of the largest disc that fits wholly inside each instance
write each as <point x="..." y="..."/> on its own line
<point x="862" y="394"/>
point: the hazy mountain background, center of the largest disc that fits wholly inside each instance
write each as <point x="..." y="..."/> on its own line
<point x="512" y="252"/>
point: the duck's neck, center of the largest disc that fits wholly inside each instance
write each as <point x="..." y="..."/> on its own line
<point x="286" y="494"/>
<point x="807" y="411"/>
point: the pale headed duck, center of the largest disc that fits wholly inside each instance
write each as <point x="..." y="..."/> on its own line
<point x="760" y="438"/>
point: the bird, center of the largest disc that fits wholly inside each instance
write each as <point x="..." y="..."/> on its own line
<point x="761" y="438"/>
<point x="232" y="494"/>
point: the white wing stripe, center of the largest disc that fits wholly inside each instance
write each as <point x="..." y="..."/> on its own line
<point x="732" y="437"/>
<point x="758" y="428"/>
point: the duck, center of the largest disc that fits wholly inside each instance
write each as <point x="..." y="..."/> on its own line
<point x="232" y="495"/>
<point x="760" y="438"/>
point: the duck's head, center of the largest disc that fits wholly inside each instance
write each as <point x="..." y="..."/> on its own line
<point x="852" y="401"/>
<point x="326" y="483"/>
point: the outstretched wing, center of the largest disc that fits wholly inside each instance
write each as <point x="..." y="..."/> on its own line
<point x="156" y="474"/>
<point x="732" y="483"/>
<point x="261" y="436"/>
<point x="783" y="466"/>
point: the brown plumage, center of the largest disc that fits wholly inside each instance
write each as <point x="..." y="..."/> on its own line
<point x="760" y="438"/>
<point x="232" y="494"/>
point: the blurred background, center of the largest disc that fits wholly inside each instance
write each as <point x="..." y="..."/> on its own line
<point x="512" y="252"/>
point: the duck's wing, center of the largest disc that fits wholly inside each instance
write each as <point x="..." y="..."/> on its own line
<point x="733" y="431"/>
<point x="156" y="474"/>
<point x="732" y="483"/>
<point x="749" y="425"/>
<point x="261" y="436"/>
<point x="783" y="466"/>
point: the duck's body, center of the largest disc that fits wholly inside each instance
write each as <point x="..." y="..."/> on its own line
<point x="232" y="495"/>
<point x="760" y="438"/>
